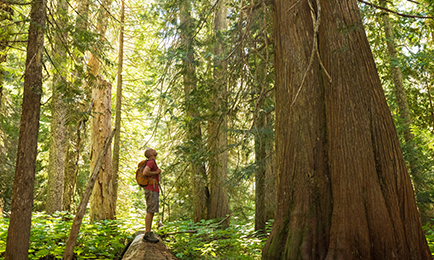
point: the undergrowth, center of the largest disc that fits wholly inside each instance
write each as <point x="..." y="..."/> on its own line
<point x="107" y="239"/>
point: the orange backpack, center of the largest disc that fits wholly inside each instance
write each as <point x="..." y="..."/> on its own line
<point x="141" y="179"/>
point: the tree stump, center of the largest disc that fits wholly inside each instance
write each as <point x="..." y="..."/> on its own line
<point x="143" y="250"/>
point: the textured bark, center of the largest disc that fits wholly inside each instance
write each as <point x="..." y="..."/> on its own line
<point x="76" y="224"/>
<point x="219" y="201"/>
<point x="18" y="240"/>
<point x="260" y="171"/>
<point x="56" y="166"/>
<point x="270" y="180"/>
<point x="343" y="188"/>
<point x="70" y="180"/>
<point x="116" y="145"/>
<point x="102" y="205"/>
<point x="194" y="133"/>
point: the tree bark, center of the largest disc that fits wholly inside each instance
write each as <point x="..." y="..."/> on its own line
<point x="18" y="240"/>
<point x="74" y="133"/>
<point x="219" y="201"/>
<point x="70" y="181"/>
<point x="72" y="238"/>
<point x="116" y="145"/>
<point x="260" y="180"/>
<point x="102" y="205"/>
<point x="56" y="166"/>
<point x="343" y="188"/>
<point x="194" y="132"/>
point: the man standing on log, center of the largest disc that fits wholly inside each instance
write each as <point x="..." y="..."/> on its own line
<point x="152" y="192"/>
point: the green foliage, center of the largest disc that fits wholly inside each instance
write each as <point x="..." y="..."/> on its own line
<point x="101" y="240"/>
<point x="429" y="234"/>
<point x="238" y="241"/>
<point x="107" y="239"/>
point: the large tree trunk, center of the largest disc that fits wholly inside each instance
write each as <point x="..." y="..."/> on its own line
<point x="56" y="166"/>
<point x="343" y="188"/>
<point x="219" y="201"/>
<point x="102" y="205"/>
<point x="116" y="145"/>
<point x="194" y="133"/>
<point x="18" y="239"/>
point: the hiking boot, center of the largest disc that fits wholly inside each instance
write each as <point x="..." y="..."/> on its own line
<point x="150" y="237"/>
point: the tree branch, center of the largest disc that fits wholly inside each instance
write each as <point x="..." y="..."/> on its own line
<point x="10" y="2"/>
<point x="394" y="12"/>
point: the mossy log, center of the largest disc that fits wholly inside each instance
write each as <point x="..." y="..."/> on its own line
<point x="143" y="250"/>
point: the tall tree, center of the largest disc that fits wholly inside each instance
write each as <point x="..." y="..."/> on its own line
<point x="343" y="188"/>
<point x="74" y="133"/>
<point x="116" y="145"/>
<point x="404" y="110"/>
<point x="18" y="240"/>
<point x="102" y="205"/>
<point x="56" y="165"/>
<point x="194" y="132"/>
<point x="219" y="201"/>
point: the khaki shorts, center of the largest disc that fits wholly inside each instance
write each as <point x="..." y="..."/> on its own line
<point x="152" y="201"/>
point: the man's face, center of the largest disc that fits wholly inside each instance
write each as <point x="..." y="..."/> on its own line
<point x="154" y="153"/>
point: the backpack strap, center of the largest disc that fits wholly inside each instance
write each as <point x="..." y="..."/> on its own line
<point x="143" y="167"/>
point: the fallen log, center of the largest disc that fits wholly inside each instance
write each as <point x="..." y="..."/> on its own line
<point x="143" y="250"/>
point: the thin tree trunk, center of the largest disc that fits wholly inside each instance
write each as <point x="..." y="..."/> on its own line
<point x="56" y="166"/>
<point x="343" y="188"/>
<point x="116" y="145"/>
<point x="102" y="205"/>
<point x="260" y="171"/>
<point x="18" y="240"/>
<point x="194" y="133"/>
<point x="70" y="180"/>
<point x="74" y="134"/>
<point x="404" y="111"/>
<point x="72" y="238"/>
<point x="219" y="201"/>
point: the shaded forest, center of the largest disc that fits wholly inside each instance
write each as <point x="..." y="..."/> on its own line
<point x="297" y="129"/>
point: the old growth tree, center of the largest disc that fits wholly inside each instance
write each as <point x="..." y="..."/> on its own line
<point x="343" y="188"/>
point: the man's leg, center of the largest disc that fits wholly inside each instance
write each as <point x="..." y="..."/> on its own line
<point x="148" y="222"/>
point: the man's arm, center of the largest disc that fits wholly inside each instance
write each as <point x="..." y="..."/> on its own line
<point x="148" y="171"/>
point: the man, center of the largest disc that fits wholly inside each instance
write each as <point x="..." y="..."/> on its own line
<point x="152" y="193"/>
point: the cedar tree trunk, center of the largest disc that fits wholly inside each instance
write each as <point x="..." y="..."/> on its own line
<point x="194" y="133"/>
<point x="219" y="201"/>
<point x="343" y="188"/>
